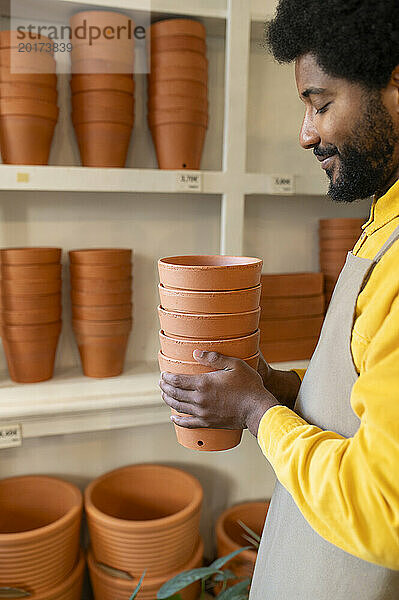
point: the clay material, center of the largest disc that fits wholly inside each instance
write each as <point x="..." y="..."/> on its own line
<point x="290" y="329"/>
<point x="178" y="87"/>
<point x="282" y="308"/>
<point x="23" y="90"/>
<point x="182" y="349"/>
<point x="24" y="287"/>
<point x="12" y="39"/>
<point x="171" y="27"/>
<point x="31" y="302"/>
<point x="102" y="286"/>
<point x="102" y="313"/>
<point x="337" y="244"/>
<point x="28" y="107"/>
<point x="101" y="19"/>
<point x="88" y="299"/>
<point x="26" y="140"/>
<point x="300" y="349"/>
<point x="167" y="43"/>
<point x="338" y="234"/>
<point x="32" y="316"/>
<point x="30" y="256"/>
<point x="208" y="326"/>
<point x="210" y="272"/>
<point x="102" y="328"/>
<point x="341" y="223"/>
<point x="236" y="301"/>
<point x="158" y="102"/>
<point x="90" y="101"/>
<point x="39" y="534"/>
<point x="135" y="509"/>
<point x="159" y="74"/>
<point x="103" y="114"/>
<point x="182" y="58"/>
<point x="40" y="79"/>
<point x="101" y="256"/>
<point x="181" y="367"/>
<point x="117" y="50"/>
<point x="40" y="62"/>
<point x="102" y="81"/>
<point x="93" y="271"/>
<point x="101" y="66"/>
<point x="292" y="284"/>
<point x="179" y="145"/>
<point x="33" y="271"/>
<point x="102" y="356"/>
<point x="103" y="145"/>
<point x="177" y="115"/>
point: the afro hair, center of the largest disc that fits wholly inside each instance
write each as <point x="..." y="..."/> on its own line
<point x="356" y="40"/>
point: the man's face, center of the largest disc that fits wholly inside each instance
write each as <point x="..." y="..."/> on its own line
<point x="352" y="132"/>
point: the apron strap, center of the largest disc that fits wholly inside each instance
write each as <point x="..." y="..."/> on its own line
<point x="394" y="237"/>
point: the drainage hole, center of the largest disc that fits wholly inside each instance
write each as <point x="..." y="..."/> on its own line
<point x="184" y="166"/>
<point x="200" y="443"/>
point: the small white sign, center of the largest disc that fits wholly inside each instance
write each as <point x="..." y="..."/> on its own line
<point x="283" y="184"/>
<point x="10" y="436"/>
<point x="189" y="182"/>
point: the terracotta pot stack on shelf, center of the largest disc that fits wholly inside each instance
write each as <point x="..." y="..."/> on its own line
<point x="337" y="237"/>
<point x="40" y="521"/>
<point x="178" y="92"/>
<point x="143" y="518"/>
<point x="231" y="535"/>
<point x="101" y="295"/>
<point x="208" y="303"/>
<point x="292" y="315"/>
<point x="102" y="88"/>
<point x="30" y="303"/>
<point x="28" y="99"/>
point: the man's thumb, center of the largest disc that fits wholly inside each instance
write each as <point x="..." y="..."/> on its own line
<point x="214" y="359"/>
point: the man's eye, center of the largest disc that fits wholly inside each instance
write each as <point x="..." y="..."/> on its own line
<point x="323" y="109"/>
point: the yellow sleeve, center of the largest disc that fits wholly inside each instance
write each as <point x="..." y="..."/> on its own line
<point x="348" y="489"/>
<point x="300" y="373"/>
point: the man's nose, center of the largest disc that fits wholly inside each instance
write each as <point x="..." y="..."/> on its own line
<point x="309" y="136"/>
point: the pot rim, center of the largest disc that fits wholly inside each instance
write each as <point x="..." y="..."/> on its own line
<point x="220" y="531"/>
<point x="208" y="316"/>
<point x="167" y="263"/>
<point x="202" y="293"/>
<point x="187" y="341"/>
<point x="193" y="362"/>
<point x="161" y="523"/>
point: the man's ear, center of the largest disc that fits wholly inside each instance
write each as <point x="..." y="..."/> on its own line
<point x="395" y="77"/>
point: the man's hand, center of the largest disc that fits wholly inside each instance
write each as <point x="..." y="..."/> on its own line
<point x="231" y="397"/>
<point x="284" y="385"/>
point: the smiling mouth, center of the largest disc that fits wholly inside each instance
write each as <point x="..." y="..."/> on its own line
<point x="327" y="161"/>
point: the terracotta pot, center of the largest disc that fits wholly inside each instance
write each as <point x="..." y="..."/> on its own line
<point x="24" y="90"/>
<point x="31" y="302"/>
<point x="135" y="509"/>
<point x="159" y="74"/>
<point x="229" y="535"/>
<point x="39" y="533"/>
<point x="12" y="39"/>
<point x="182" y="349"/>
<point x="100" y="66"/>
<point x="95" y="271"/>
<point x="172" y="27"/>
<point x="26" y="140"/>
<point x="90" y="100"/>
<point x="107" y="587"/>
<point x="101" y="19"/>
<point x="40" y="79"/>
<point x="33" y="271"/>
<point x="25" y="287"/>
<point x="333" y="256"/>
<point x="332" y="272"/>
<point x="208" y="326"/>
<point x="177" y="59"/>
<point x="31" y="317"/>
<point x="84" y="83"/>
<point x="102" y="328"/>
<point x="331" y="266"/>
<point x="290" y="329"/>
<point x="117" y="50"/>
<point x="330" y="281"/>
<point x="338" y="234"/>
<point x="32" y="333"/>
<point x="101" y="256"/>
<point x="181" y="367"/>
<point x="210" y="272"/>
<point x="102" y="357"/>
<point x="178" y="87"/>
<point x="102" y="286"/>
<point x="236" y="301"/>
<point x="179" y="145"/>
<point x="292" y="284"/>
<point x="100" y="300"/>
<point x="287" y="350"/>
<point x="71" y="588"/>
<point x="160" y="103"/>
<point x="40" y="62"/>
<point x="177" y="115"/>
<point x="337" y="244"/>
<point x="103" y="114"/>
<point x="102" y="313"/>
<point x="103" y="145"/>
<point x="282" y="308"/>
<point x="341" y="223"/>
<point x="30" y="255"/>
<point x="169" y="43"/>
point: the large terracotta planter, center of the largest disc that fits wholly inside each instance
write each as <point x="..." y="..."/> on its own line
<point x="210" y="272"/>
<point x="101" y="256"/>
<point x="236" y="301"/>
<point x="26" y="140"/>
<point x="107" y="587"/>
<point x="30" y="256"/>
<point x="33" y="271"/>
<point x="172" y="365"/>
<point x="85" y="83"/>
<point x="101" y="286"/>
<point x="300" y="349"/>
<point x="229" y="535"/>
<point x="291" y="329"/>
<point x="178" y="87"/>
<point x="88" y="299"/>
<point x="24" y="90"/>
<point x="171" y="27"/>
<point x="179" y="145"/>
<point x="103" y="145"/>
<point x="167" y="43"/>
<point x="144" y="517"/>
<point x="94" y="271"/>
<point x="182" y="349"/>
<point x="292" y="284"/>
<point x="281" y="308"/>
<point x="159" y="74"/>
<point x="208" y="326"/>
<point x="39" y="533"/>
<point x="183" y="58"/>
<point x="102" y="313"/>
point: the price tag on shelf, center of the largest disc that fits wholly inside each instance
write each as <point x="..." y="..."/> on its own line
<point x="23" y="177"/>
<point x="283" y="184"/>
<point x="10" y="436"/>
<point x="189" y="182"/>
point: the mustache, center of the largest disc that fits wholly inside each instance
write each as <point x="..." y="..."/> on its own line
<point x="325" y="152"/>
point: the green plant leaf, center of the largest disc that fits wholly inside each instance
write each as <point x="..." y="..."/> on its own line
<point x="237" y="591"/>
<point x="219" y="562"/>
<point x="253" y="542"/>
<point x="179" y="582"/>
<point x="253" y="535"/>
<point x="136" y="591"/>
<point x="227" y="574"/>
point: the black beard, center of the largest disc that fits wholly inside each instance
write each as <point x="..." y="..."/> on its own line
<point x="367" y="163"/>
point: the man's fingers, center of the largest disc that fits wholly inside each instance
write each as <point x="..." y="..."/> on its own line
<point x="184" y="382"/>
<point x="189" y="422"/>
<point x="214" y="359"/>
<point x="177" y="393"/>
<point x="181" y="407"/>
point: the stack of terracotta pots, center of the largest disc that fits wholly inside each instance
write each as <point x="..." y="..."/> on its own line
<point x="101" y="295"/>
<point x="102" y="87"/>
<point x="143" y="518"/>
<point x="337" y="237"/>
<point x="178" y="92"/>
<point x="30" y="311"/>
<point x="28" y="100"/>
<point x="292" y="315"/>
<point x="208" y="303"/>
<point x="40" y="521"/>
<point x="231" y="536"/>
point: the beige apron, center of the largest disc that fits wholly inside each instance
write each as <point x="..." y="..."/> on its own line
<point x="294" y="562"/>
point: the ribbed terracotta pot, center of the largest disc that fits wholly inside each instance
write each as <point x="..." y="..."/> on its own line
<point x="182" y="349"/>
<point x="43" y="62"/>
<point x="332" y="271"/>
<point x="180" y="58"/>
<point x="219" y="273"/>
<point x="26" y="140"/>
<point x="229" y="535"/>
<point x="32" y="287"/>
<point x="167" y="43"/>
<point x="172" y="365"/>
<point x="101" y="256"/>
<point x="333" y="257"/>
<point x="281" y="308"/>
<point x="12" y="39"/>
<point x="33" y="302"/>
<point x="102" y="313"/>
<point x="101" y="286"/>
<point x="144" y="516"/>
<point x="31" y="316"/>
<point x="24" y="90"/>
<point x="179" y="145"/>
<point x="300" y="349"/>
<point x="337" y="234"/>
<point x="103" y="145"/>
<point x="337" y="244"/>
<point x="120" y="102"/>
<point x="274" y="330"/>
<point x="30" y="255"/>
<point x="107" y="587"/>
<point x="179" y="115"/>
<point x="236" y="301"/>
<point x="103" y="114"/>
<point x="94" y="271"/>
<point x="120" y="51"/>
<point x="182" y="73"/>
<point x="171" y="27"/>
<point x="28" y="107"/>
<point x="33" y="271"/>
<point x="100" y="300"/>
<point x="39" y="533"/>
<point x="100" y="66"/>
<point x="84" y="83"/>
<point x="42" y="79"/>
<point x="292" y="284"/>
<point x="157" y="102"/>
<point x="341" y="223"/>
<point x="178" y="87"/>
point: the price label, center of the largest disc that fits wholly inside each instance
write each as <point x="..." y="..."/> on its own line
<point x="23" y="177"/>
<point x="189" y="182"/>
<point x="283" y="184"/>
<point x="10" y="436"/>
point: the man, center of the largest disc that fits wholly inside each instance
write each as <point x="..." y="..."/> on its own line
<point x="332" y="530"/>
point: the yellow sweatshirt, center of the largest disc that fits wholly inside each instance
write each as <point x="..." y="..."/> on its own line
<point x="348" y="489"/>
